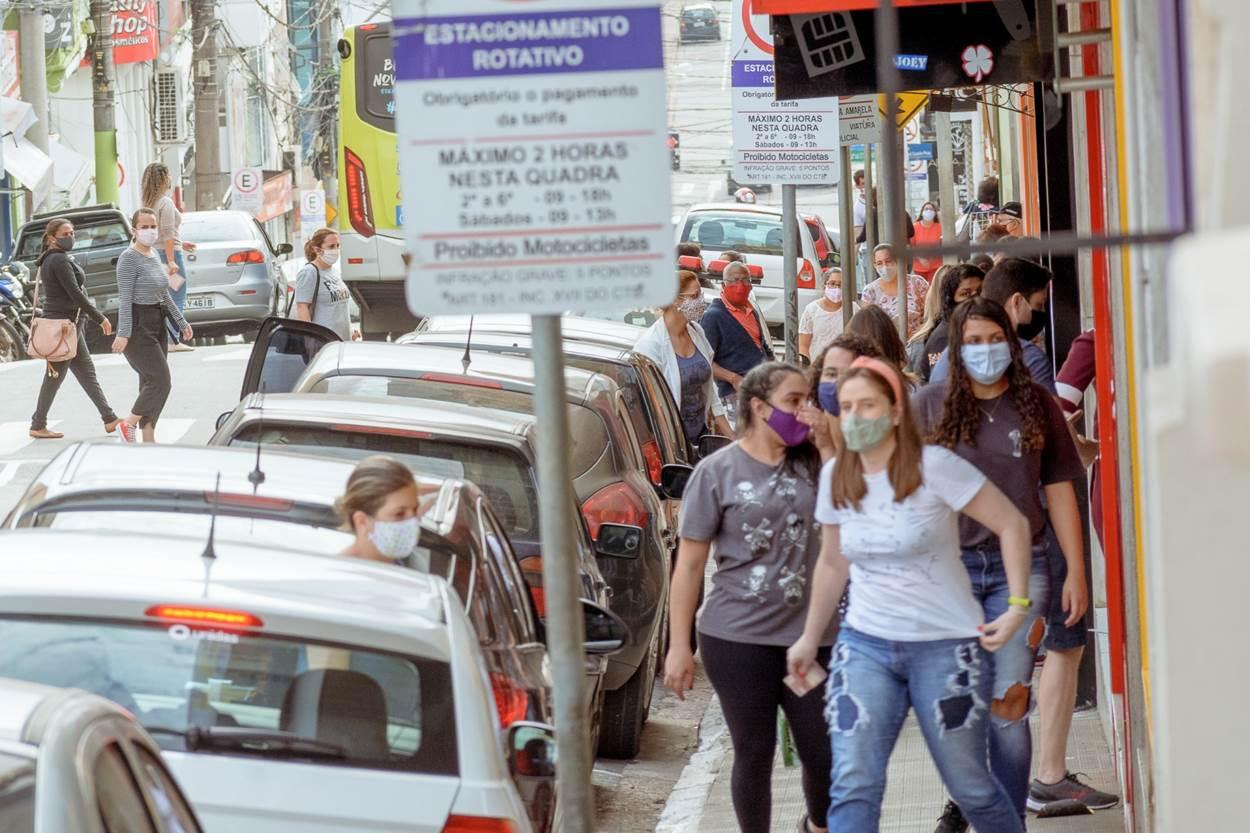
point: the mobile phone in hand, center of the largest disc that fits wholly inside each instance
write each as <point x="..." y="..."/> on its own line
<point x="812" y="679"/>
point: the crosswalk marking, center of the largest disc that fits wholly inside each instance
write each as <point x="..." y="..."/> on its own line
<point x="14" y="436"/>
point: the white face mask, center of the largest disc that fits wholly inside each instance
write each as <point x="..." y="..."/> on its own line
<point x="396" y="539"/>
<point x="330" y="256"/>
<point x="146" y="236"/>
<point x="928" y="214"/>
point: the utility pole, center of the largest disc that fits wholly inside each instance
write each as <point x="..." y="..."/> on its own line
<point x="103" y="74"/>
<point x="947" y="198"/>
<point x="34" y="67"/>
<point x="209" y="178"/>
<point x="327" y="79"/>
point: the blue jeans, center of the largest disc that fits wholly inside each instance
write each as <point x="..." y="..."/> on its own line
<point x="1011" y="739"/>
<point x="180" y="297"/>
<point x="872" y="684"/>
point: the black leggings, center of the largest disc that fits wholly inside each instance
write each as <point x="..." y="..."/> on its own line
<point x="147" y="354"/>
<point x="748" y="681"/>
<point x="84" y="371"/>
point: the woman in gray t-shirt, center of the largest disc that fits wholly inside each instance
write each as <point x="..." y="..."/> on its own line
<point x="321" y="296"/>
<point x="756" y="501"/>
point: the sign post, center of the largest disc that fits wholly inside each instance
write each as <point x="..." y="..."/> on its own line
<point x="538" y="137"/>
<point x="312" y="211"/>
<point x="247" y="190"/>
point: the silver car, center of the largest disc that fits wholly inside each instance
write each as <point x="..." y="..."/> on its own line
<point x="233" y="279"/>
<point x="73" y="762"/>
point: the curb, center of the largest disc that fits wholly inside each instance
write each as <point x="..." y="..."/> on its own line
<point x="684" y="809"/>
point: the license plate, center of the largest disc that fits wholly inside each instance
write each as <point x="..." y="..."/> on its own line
<point x="200" y="302"/>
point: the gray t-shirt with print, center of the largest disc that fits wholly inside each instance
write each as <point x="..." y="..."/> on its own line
<point x="760" y="520"/>
<point x="332" y="309"/>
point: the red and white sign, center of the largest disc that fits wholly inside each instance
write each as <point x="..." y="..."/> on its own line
<point x="247" y="196"/>
<point x="277" y="196"/>
<point x="136" y="35"/>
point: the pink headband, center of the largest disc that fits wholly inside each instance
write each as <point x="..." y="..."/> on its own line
<point x="878" y="366"/>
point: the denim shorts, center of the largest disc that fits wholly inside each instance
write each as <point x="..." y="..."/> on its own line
<point x="1060" y="637"/>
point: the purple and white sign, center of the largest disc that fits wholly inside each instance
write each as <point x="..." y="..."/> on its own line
<point x="537" y="143"/>
<point x="775" y="142"/>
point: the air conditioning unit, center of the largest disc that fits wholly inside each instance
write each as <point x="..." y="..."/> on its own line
<point x="170" y="114"/>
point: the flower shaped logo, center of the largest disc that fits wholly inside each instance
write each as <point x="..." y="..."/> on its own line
<point x="978" y="62"/>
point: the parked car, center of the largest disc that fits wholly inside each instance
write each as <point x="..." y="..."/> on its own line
<point x="755" y="231"/>
<point x="233" y="277"/>
<point x="73" y="762"/>
<point x="287" y="691"/>
<point x="101" y="234"/>
<point x="698" y="22"/>
<point x="610" y="482"/>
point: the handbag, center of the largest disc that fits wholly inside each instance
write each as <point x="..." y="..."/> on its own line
<point x="51" y="339"/>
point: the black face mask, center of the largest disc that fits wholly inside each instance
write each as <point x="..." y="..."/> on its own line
<point x="1036" y="324"/>
<point x="65" y="243"/>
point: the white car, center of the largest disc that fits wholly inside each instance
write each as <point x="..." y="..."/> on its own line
<point x="289" y="692"/>
<point x="755" y="231"/>
<point x="72" y="762"/>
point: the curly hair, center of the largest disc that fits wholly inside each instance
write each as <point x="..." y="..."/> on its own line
<point x="950" y="282"/>
<point x="961" y="412"/>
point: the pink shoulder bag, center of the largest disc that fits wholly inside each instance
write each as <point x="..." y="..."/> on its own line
<point x="51" y="339"/>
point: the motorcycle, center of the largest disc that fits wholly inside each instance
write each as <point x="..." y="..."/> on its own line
<point x="15" y="311"/>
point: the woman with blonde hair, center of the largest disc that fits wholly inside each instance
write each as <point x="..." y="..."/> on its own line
<point x="321" y="296"/>
<point x="156" y="188"/>
<point x="381" y="506"/>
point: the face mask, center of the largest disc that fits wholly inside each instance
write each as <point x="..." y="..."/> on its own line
<point x="396" y="539"/>
<point x="146" y="236"/>
<point x="928" y="214"/>
<point x="65" y="243"/>
<point x="986" y="363"/>
<point x="330" y="256"/>
<point x="860" y="433"/>
<point x="693" y="308"/>
<point x="788" y="428"/>
<point x="834" y="294"/>
<point x="737" y="293"/>
<point x="827" y="396"/>
<point x="1036" y="324"/>
<point x="885" y="272"/>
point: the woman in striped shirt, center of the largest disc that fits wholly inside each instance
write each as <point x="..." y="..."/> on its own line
<point x="143" y="306"/>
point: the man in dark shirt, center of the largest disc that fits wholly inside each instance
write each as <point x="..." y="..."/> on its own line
<point x="738" y="335"/>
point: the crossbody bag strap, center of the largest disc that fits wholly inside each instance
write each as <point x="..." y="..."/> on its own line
<point x="38" y="275"/>
<point x="312" y="308"/>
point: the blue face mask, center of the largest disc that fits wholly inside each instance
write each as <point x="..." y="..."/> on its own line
<point x="827" y="396"/>
<point x="986" y="363"/>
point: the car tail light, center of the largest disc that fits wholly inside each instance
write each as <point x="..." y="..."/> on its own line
<point x="247" y="291"/>
<point x="248" y="501"/>
<point x="203" y="616"/>
<point x="511" y="701"/>
<point x="655" y="465"/>
<point x="807" y="275"/>
<point x="477" y="824"/>
<point x="359" y="209"/>
<point x="716" y="267"/>
<point x="615" y="504"/>
<point x="249" y="256"/>
<point x="454" y="379"/>
<point x="756" y="272"/>
<point x="694" y="264"/>
<point x="532" y="570"/>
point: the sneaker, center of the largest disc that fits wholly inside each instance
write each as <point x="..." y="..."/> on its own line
<point x="1070" y="788"/>
<point x="126" y="432"/>
<point x="952" y="820"/>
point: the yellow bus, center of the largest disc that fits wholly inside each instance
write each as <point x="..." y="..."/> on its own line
<point x="371" y="210"/>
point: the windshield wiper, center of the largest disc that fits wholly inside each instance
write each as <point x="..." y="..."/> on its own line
<point x="259" y="741"/>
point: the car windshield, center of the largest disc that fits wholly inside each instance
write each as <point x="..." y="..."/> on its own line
<point x="262" y="531"/>
<point x="89" y="235"/>
<point x="739" y="230"/>
<point x="212" y="227"/>
<point x="371" y="709"/>
<point x="503" y="476"/>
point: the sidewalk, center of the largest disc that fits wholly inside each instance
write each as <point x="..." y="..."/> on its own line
<point x="914" y="797"/>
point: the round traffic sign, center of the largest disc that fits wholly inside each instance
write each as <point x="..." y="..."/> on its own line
<point x="765" y="45"/>
<point x="246" y="181"/>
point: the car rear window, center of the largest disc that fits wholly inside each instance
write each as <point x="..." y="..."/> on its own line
<point x="363" y="708"/>
<point x="259" y="531"/>
<point x="502" y="475"/>
<point x="217" y="228"/>
<point x="739" y="230"/>
<point x="88" y="234"/>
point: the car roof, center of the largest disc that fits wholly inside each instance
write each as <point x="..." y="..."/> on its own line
<point x="387" y="410"/>
<point x="604" y="350"/>
<point x="572" y="328"/>
<point x="19" y="700"/>
<point x="218" y="212"/>
<point x="323" y="597"/>
<point x="738" y="207"/>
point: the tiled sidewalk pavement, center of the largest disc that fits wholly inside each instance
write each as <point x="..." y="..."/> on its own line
<point x="914" y="796"/>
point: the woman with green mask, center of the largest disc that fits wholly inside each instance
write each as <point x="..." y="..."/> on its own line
<point x="913" y="635"/>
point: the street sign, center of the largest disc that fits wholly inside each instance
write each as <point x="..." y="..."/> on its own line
<point x="248" y="190"/>
<point x="775" y="142"/>
<point x="858" y="120"/>
<point x="533" y="155"/>
<point x="312" y="211"/>
<point x="909" y="105"/>
<point x="920" y="152"/>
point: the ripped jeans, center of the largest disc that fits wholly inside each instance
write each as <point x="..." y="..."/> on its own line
<point x="872" y="684"/>
<point x="1011" y="738"/>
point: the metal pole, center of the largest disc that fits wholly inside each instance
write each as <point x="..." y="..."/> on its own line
<point x="34" y="67"/>
<point x="947" y="198"/>
<point x="885" y="21"/>
<point x="846" y="229"/>
<point x="870" y="213"/>
<point x="565" y="628"/>
<point x="327" y="62"/>
<point x="209" y="178"/>
<point x="103" y="74"/>
<point x="790" y="271"/>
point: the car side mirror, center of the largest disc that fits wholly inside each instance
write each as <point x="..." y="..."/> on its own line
<point x="712" y="443"/>
<point x="284" y="249"/>
<point x="619" y="541"/>
<point x="221" y="419"/>
<point x="532" y="749"/>
<point x="605" y="632"/>
<point x="673" y="479"/>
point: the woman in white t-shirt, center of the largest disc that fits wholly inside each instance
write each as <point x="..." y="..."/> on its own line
<point x="821" y="321"/>
<point x="913" y="635"/>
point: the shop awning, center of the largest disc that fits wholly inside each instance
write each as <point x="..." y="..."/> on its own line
<point x="71" y="176"/>
<point x="28" y="165"/>
<point x="16" y="117"/>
